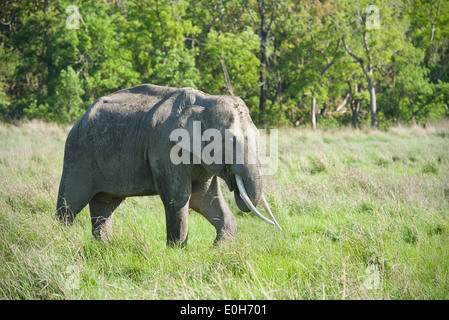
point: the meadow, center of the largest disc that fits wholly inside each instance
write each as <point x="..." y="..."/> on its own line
<point x="365" y="215"/>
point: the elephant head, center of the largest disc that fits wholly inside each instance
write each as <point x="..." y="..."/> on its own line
<point x="225" y="141"/>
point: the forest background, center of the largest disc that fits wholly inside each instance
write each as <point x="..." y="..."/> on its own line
<point x="315" y="63"/>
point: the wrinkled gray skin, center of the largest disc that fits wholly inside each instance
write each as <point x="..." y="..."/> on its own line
<point x="121" y="148"/>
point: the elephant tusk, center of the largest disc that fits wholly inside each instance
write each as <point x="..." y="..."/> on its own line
<point x="248" y="202"/>
<point x="267" y="209"/>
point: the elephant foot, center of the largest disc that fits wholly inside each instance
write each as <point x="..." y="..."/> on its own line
<point x="226" y="235"/>
<point x="102" y="230"/>
<point x="174" y="242"/>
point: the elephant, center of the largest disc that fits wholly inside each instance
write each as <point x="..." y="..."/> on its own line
<point x="121" y="147"/>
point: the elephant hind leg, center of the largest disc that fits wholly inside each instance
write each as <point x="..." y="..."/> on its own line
<point x="101" y="211"/>
<point x="208" y="200"/>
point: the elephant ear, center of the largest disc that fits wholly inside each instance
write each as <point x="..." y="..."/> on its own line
<point x="191" y="123"/>
<point x="190" y="116"/>
<point x="184" y="100"/>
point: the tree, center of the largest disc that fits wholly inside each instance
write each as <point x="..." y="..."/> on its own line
<point x="163" y="57"/>
<point x="429" y="29"/>
<point x="263" y="14"/>
<point x="370" y="44"/>
<point x="65" y="105"/>
<point x="291" y="61"/>
<point x="234" y="57"/>
<point x="319" y="49"/>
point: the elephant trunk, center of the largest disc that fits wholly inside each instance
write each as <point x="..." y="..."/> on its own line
<point x="249" y="192"/>
<point x="253" y="183"/>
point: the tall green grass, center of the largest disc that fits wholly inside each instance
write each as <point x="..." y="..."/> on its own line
<point x="364" y="215"/>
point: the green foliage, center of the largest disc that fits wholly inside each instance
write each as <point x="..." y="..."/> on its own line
<point x="234" y="54"/>
<point x="177" y="68"/>
<point x="217" y="47"/>
<point x="66" y="103"/>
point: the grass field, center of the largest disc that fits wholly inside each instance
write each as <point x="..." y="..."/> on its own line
<point x="365" y="215"/>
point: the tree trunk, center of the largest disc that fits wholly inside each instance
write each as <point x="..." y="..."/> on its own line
<point x="323" y="112"/>
<point x="355" y="112"/>
<point x="372" y="95"/>
<point x="398" y="110"/>
<point x="263" y="71"/>
<point x="263" y="87"/>
<point x="226" y="77"/>
<point x="278" y="93"/>
<point x="368" y="71"/>
<point x="264" y="34"/>
<point x="355" y="105"/>
<point x="313" y="113"/>
<point x="412" y="112"/>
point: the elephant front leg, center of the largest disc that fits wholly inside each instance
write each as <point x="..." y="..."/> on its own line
<point x="176" y="215"/>
<point x="208" y="200"/>
<point x="174" y="187"/>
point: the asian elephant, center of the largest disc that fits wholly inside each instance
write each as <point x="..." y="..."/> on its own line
<point x="121" y="147"/>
